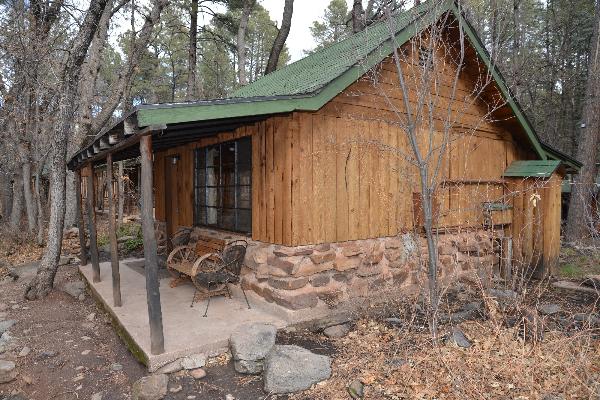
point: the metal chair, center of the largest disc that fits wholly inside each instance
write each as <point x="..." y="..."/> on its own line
<point x="212" y="273"/>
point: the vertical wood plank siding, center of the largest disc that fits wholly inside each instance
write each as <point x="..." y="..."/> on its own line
<point x="345" y="172"/>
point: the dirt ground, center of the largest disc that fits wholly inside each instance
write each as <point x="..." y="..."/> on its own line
<point x="75" y="353"/>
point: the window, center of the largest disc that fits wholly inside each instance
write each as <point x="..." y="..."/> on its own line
<point x="223" y="186"/>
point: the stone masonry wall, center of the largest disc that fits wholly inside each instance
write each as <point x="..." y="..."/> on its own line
<point x="302" y="277"/>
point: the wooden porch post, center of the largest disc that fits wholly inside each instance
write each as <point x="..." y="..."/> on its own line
<point x="83" y="254"/>
<point x="112" y="235"/>
<point x="151" y="259"/>
<point x="91" y="217"/>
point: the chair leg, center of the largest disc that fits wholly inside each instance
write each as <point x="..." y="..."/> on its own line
<point x="208" y="302"/>
<point x="245" y="297"/>
<point x="193" y="298"/>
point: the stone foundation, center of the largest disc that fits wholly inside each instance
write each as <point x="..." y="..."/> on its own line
<point x="307" y="276"/>
<point x="303" y="277"/>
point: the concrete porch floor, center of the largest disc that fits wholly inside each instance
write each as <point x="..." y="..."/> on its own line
<point x="186" y="331"/>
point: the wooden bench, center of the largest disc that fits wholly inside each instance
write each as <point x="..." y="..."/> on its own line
<point x="181" y="260"/>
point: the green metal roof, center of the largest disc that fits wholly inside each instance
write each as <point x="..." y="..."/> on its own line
<point x="531" y="169"/>
<point x="315" y="71"/>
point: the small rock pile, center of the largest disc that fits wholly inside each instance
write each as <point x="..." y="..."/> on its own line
<point x="285" y="368"/>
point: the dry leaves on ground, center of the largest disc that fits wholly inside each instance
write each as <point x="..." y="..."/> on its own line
<point x="406" y="365"/>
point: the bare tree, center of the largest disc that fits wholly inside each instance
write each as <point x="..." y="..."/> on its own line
<point x="282" y="34"/>
<point x="192" y="53"/>
<point x="358" y="16"/>
<point x="579" y="222"/>
<point x="247" y="6"/>
<point x="41" y="285"/>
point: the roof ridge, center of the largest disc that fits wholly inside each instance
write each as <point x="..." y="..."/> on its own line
<point x="261" y="86"/>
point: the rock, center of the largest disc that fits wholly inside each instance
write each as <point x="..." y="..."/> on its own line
<point x="248" y="367"/>
<point x="394" y="321"/>
<point x="229" y="397"/>
<point x="460" y="316"/>
<point x="194" y="361"/>
<point x="288" y="283"/>
<point x="152" y="387"/>
<point x="356" y="389"/>
<point x="250" y="344"/>
<point x="96" y="396"/>
<point x="176" y="389"/>
<point x="473" y="306"/>
<point x="291" y="368"/>
<point x="6" y="325"/>
<point x="7" y="371"/>
<point x="24" y="351"/>
<point x="116" y="367"/>
<point x="198" y="373"/>
<point x="458" y="337"/>
<point x="337" y="331"/>
<point x="125" y="238"/>
<point x="75" y="288"/>
<point x="27" y="379"/>
<point x="549" y="309"/>
<point x="332" y="320"/>
<point x="396" y="362"/>
<point x="587" y="318"/>
<point x="3" y="306"/>
<point x="64" y="260"/>
<point x="85" y="352"/>
<point x="568" y="285"/>
<point x="503" y="295"/>
<point x="48" y="354"/>
<point x="91" y="316"/>
<point x="170" y="368"/>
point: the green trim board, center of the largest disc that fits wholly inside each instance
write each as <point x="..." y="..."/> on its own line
<point x="531" y="169"/>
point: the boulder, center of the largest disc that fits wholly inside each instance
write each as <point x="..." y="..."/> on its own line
<point x="75" y="288"/>
<point x="6" y="325"/>
<point x="7" y="371"/>
<point x="194" y="361"/>
<point x="152" y="387"/>
<point x="459" y="338"/>
<point x="250" y="344"/>
<point x="291" y="368"/>
<point x="337" y="331"/>
<point x="549" y="309"/>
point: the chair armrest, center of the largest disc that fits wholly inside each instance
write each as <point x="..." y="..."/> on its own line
<point x="218" y="261"/>
<point x="177" y="249"/>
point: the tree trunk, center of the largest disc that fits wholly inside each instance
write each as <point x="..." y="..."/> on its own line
<point x="28" y="194"/>
<point x="192" y="53"/>
<point x="43" y="282"/>
<point x="580" y="221"/>
<point x="284" y="31"/>
<point x="17" y="204"/>
<point x="38" y="202"/>
<point x="5" y="196"/>
<point x="241" y="40"/>
<point x="358" y="21"/>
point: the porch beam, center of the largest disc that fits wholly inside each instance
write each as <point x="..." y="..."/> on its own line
<point x="80" y="225"/>
<point x="91" y="217"/>
<point x="112" y="235"/>
<point x="157" y="341"/>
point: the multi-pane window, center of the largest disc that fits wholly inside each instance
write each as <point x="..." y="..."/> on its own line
<point x="223" y="186"/>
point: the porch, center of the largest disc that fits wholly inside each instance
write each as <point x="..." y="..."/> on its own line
<point x="186" y="331"/>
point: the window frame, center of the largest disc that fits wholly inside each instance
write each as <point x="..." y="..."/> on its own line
<point x="241" y="168"/>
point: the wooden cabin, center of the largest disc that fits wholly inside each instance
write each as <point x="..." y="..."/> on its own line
<point x="314" y="166"/>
